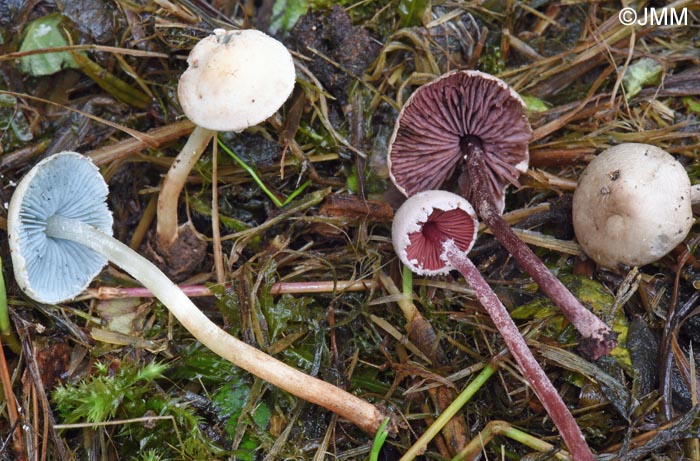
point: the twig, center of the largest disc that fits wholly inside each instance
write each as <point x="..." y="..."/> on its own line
<point x="502" y="428"/>
<point x="33" y="367"/>
<point x="131" y="146"/>
<point x="215" y="229"/>
<point x="193" y="291"/>
<point x="17" y="441"/>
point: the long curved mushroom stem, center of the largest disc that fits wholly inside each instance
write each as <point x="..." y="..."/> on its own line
<point x="174" y="181"/>
<point x="546" y="393"/>
<point x="597" y="337"/>
<point x="356" y="410"/>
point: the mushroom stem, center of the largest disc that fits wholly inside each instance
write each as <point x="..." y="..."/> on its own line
<point x="598" y="339"/>
<point x="174" y="181"/>
<point x="356" y="410"/>
<point x="542" y="386"/>
<point x="695" y="196"/>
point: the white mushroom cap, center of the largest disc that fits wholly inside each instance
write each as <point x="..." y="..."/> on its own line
<point x="68" y="184"/>
<point x="632" y="205"/>
<point x="235" y="79"/>
<point x="410" y="220"/>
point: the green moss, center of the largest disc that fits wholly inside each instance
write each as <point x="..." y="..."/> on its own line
<point x="104" y="395"/>
<point x="491" y="61"/>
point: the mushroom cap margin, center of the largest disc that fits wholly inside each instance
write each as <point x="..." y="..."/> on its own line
<point x="72" y="179"/>
<point x="414" y="212"/>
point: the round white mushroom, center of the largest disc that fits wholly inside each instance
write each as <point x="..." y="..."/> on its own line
<point x="632" y="205"/>
<point x="235" y="79"/>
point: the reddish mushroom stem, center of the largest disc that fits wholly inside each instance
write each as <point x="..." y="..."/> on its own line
<point x="597" y="337"/>
<point x="542" y="386"/>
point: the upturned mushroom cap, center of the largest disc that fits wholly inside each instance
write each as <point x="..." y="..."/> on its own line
<point x="235" y="79"/>
<point x="67" y="184"/>
<point x="425" y="222"/>
<point x="438" y="120"/>
<point x="632" y="205"/>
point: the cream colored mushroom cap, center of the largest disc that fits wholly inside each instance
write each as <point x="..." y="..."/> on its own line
<point x="235" y="79"/>
<point x="632" y="205"/>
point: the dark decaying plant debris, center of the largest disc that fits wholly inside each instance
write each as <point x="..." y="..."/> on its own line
<point x="116" y="378"/>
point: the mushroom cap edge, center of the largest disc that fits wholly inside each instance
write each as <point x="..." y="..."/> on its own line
<point x="415" y="211"/>
<point x="16" y="236"/>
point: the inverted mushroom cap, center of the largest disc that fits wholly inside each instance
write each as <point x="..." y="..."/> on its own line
<point x="442" y="116"/>
<point x="235" y="79"/>
<point x="422" y="225"/>
<point x="632" y="205"/>
<point x="67" y="184"/>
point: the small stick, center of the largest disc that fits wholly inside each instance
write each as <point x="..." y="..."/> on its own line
<point x="194" y="291"/>
<point x="496" y="428"/>
<point x="215" y="229"/>
<point x="17" y="441"/>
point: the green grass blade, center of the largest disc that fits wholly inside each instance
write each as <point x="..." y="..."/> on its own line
<point x="379" y="439"/>
<point x="4" y="315"/>
<point x="259" y="181"/>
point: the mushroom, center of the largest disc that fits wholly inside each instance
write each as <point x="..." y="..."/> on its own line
<point x="235" y="79"/>
<point x="432" y="233"/>
<point x="60" y="237"/>
<point x="474" y="124"/>
<point x="632" y="205"/>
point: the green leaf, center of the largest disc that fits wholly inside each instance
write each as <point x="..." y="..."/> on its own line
<point x="535" y="104"/>
<point x="353" y="182"/>
<point x="230" y="400"/>
<point x="261" y="415"/>
<point x="644" y="72"/>
<point x="286" y="13"/>
<point x="368" y="380"/>
<point x="45" y="33"/>
<point x="288" y="309"/>
<point x="691" y="104"/>
<point x="411" y="12"/>
<point x="201" y="364"/>
<point x="111" y="83"/>
<point x="205" y="209"/>
<point x="594" y="296"/>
